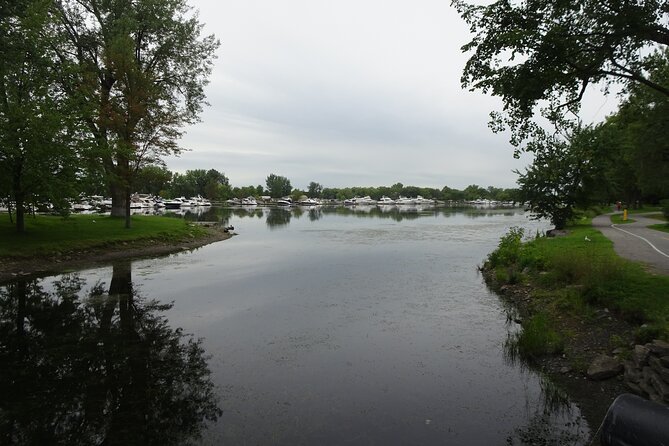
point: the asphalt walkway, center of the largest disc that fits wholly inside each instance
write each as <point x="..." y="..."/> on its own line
<point x="634" y="241"/>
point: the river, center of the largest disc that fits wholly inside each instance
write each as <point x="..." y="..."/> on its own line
<point x="321" y="326"/>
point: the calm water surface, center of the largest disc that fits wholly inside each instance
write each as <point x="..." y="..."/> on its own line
<point x="343" y="327"/>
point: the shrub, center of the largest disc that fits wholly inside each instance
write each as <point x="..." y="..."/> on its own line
<point x="508" y="250"/>
<point x="536" y="338"/>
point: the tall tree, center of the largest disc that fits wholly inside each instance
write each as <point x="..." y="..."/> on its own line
<point x="143" y="66"/>
<point x="540" y="50"/>
<point x="278" y="186"/>
<point x="315" y="190"/>
<point x="152" y="179"/>
<point x="35" y="132"/>
<point x="554" y="183"/>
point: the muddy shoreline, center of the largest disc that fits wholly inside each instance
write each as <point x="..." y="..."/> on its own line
<point x="11" y="268"/>
<point x="585" y="338"/>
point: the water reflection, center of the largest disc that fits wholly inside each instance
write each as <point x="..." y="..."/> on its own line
<point x="278" y="217"/>
<point x="100" y="366"/>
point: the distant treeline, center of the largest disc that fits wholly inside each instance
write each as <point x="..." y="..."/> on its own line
<point x="215" y="186"/>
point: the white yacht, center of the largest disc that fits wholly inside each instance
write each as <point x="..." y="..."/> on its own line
<point x="386" y="200"/>
<point x="405" y="201"/>
<point x="174" y="203"/>
<point x="249" y="201"/>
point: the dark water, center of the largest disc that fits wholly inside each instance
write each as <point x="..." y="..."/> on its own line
<point x="323" y="326"/>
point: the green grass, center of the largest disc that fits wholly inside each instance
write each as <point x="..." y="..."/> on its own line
<point x="617" y="219"/>
<point x="535" y="339"/>
<point x="644" y="210"/>
<point x="657" y="216"/>
<point x="573" y="275"/>
<point x="664" y="227"/>
<point x="50" y="234"/>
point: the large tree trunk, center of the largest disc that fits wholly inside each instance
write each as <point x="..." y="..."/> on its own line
<point x="118" y="196"/>
<point x="19" y="202"/>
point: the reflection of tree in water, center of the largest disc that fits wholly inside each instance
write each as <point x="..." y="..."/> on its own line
<point x="315" y="214"/>
<point x="277" y="217"/>
<point x="211" y="213"/>
<point x="247" y="212"/>
<point x="103" y="370"/>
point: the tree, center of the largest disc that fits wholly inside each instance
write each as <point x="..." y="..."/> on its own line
<point x="474" y="192"/>
<point x="315" y="190"/>
<point x="142" y="66"/>
<point x="278" y="186"/>
<point x="645" y="118"/>
<point x="540" y="50"/>
<point x="554" y="183"/>
<point x="152" y="179"/>
<point x="36" y="158"/>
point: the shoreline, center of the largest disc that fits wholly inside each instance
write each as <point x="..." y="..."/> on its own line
<point x="585" y="339"/>
<point x="12" y="268"/>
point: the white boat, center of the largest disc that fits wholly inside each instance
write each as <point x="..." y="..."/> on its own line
<point x="405" y="201"/>
<point x="421" y="200"/>
<point x="249" y="201"/>
<point x="360" y="201"/>
<point x="309" y="202"/>
<point x="83" y="206"/>
<point x="285" y="201"/>
<point x="200" y="201"/>
<point x="174" y="203"/>
<point x="366" y="201"/>
<point x="386" y="200"/>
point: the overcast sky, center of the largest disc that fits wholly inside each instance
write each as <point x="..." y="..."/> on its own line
<point x="345" y="93"/>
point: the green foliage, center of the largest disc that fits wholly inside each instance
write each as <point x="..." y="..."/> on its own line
<point x="37" y="160"/>
<point x="315" y="190"/>
<point x="152" y="180"/>
<point x="508" y="250"/>
<point x="575" y="274"/>
<point x="210" y="184"/>
<point x="548" y="52"/>
<point x="278" y="186"/>
<point x="141" y="68"/>
<point x="536" y="338"/>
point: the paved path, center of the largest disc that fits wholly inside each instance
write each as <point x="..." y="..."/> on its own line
<point x="636" y="242"/>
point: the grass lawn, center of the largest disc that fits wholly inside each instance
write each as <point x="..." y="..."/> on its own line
<point x="49" y="234"/>
<point x="581" y="271"/>
<point x="644" y="210"/>
<point x="664" y="227"/>
<point x="617" y="219"/>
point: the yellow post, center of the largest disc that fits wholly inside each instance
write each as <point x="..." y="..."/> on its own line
<point x="625" y="215"/>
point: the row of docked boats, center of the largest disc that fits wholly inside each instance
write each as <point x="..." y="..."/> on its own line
<point x="384" y="200"/>
<point x="139" y="201"/>
<point x="285" y="201"/>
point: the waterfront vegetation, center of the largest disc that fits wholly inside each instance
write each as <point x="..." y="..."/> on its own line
<point x="574" y="276"/>
<point x="51" y="234"/>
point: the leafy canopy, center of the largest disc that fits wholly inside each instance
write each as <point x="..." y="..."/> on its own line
<point x="536" y="52"/>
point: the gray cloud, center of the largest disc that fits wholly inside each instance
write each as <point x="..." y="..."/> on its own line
<point x="344" y="93"/>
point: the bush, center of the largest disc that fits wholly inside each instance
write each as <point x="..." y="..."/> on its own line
<point x="537" y="338"/>
<point x="508" y="250"/>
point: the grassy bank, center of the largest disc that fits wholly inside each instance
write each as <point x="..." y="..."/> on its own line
<point x="49" y="234"/>
<point x="575" y="277"/>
